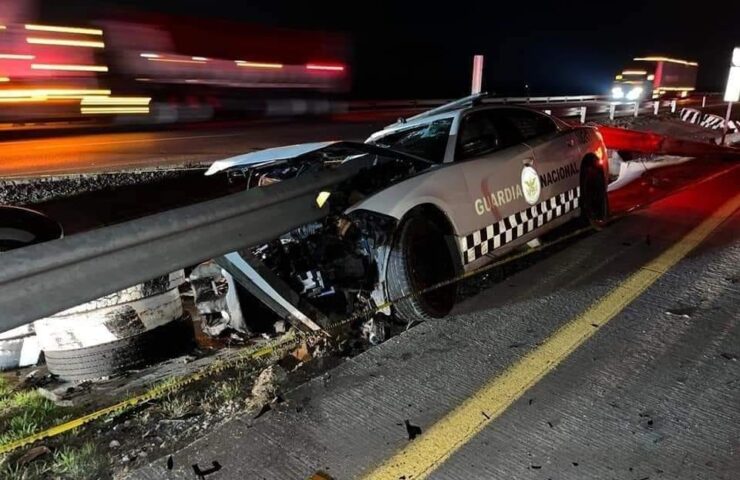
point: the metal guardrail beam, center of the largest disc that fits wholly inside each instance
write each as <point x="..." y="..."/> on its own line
<point x="43" y="279"/>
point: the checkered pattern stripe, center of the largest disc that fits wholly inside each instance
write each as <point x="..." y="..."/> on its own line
<point x="690" y="115"/>
<point x="485" y="240"/>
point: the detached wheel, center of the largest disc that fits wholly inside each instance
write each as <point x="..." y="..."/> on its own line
<point x="20" y="227"/>
<point x="594" y="198"/>
<point x="420" y="258"/>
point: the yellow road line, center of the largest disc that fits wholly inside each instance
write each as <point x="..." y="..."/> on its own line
<point x="425" y="454"/>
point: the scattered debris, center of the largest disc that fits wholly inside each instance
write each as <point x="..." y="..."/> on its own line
<point x="203" y="473"/>
<point x="684" y="312"/>
<point x="729" y="356"/>
<point x="320" y="475"/>
<point x="413" y="431"/>
<point x="215" y="295"/>
<point x="33" y="454"/>
<point x="55" y="397"/>
<point x="302" y="354"/>
<point x="267" y="385"/>
<point x="375" y="331"/>
<point x="114" y="444"/>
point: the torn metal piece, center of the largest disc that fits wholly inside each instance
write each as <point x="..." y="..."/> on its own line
<point x="216" y="298"/>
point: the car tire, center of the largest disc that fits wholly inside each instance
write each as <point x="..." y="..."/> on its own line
<point x="420" y="257"/>
<point x="115" y="358"/>
<point x="594" y="202"/>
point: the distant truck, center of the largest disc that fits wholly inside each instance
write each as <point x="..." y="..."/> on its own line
<point x="655" y="77"/>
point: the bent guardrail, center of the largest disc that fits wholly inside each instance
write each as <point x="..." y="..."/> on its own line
<point x="40" y="280"/>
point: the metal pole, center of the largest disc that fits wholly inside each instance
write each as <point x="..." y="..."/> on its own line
<point x="656" y="106"/>
<point x="583" y="114"/>
<point x="612" y="109"/>
<point x="637" y="108"/>
<point x="727" y="122"/>
<point x="477" y="74"/>
<point x="673" y="106"/>
<point x="703" y="101"/>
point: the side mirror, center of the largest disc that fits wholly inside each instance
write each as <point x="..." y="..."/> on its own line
<point x="20" y="227"/>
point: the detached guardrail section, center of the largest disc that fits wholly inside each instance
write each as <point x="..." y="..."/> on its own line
<point x="41" y="280"/>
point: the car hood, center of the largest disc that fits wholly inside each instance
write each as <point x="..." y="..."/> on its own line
<point x="266" y="156"/>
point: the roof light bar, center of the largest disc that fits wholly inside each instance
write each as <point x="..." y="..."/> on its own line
<point x="69" y="68"/>
<point x="113" y="110"/>
<point x="242" y="63"/>
<point x="174" y="60"/>
<point x="14" y="56"/>
<point x="65" y="43"/>
<point x="120" y="101"/>
<point x="333" y="68"/>
<point x="59" y="29"/>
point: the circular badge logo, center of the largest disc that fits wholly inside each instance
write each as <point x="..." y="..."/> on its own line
<point x="531" y="185"/>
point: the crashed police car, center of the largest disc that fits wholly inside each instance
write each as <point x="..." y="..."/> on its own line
<point x="430" y="197"/>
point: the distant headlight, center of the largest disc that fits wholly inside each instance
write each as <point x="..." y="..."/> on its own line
<point x="635" y="93"/>
<point x="617" y="92"/>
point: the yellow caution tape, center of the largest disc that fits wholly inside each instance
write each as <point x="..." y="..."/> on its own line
<point x="158" y="391"/>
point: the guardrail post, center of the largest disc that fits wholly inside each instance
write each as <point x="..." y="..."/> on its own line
<point x="673" y="106"/>
<point x="612" y="109"/>
<point x="656" y="106"/>
<point x="637" y="108"/>
<point x="703" y="101"/>
<point x="583" y="114"/>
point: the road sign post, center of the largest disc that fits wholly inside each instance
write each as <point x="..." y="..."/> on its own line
<point x="477" y="74"/>
<point x="732" y="92"/>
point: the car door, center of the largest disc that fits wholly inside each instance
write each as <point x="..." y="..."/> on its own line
<point x="556" y="151"/>
<point x="492" y="156"/>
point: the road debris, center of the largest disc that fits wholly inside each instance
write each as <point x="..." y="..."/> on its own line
<point x="267" y="386"/>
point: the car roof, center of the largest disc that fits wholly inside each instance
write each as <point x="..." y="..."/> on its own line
<point x="450" y="111"/>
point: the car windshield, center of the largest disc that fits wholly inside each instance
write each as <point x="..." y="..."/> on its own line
<point x="427" y="141"/>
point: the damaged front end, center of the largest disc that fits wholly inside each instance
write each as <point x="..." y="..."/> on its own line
<point x="325" y="272"/>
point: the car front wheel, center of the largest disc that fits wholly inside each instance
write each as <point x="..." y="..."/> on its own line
<point x="421" y="257"/>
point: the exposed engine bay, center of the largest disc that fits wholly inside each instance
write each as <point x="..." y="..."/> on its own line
<point x="333" y="268"/>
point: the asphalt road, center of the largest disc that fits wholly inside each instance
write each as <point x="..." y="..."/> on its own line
<point x="612" y="356"/>
<point x="186" y="146"/>
<point x="103" y="151"/>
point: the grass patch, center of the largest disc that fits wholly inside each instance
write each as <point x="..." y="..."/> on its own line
<point x="5" y="388"/>
<point x="25" y="412"/>
<point x="34" y="471"/>
<point x="85" y="462"/>
<point x="229" y="391"/>
<point x="174" y="406"/>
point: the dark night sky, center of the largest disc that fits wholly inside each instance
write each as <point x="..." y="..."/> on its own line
<point x="423" y="49"/>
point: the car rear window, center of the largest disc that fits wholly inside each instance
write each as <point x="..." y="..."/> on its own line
<point x="427" y="141"/>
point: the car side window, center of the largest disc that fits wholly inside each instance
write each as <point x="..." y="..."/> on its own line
<point x="530" y="124"/>
<point x="478" y="135"/>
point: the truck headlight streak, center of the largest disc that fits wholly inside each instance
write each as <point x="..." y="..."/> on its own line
<point x="617" y="92"/>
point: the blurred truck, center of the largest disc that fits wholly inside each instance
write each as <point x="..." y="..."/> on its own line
<point x="655" y="77"/>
